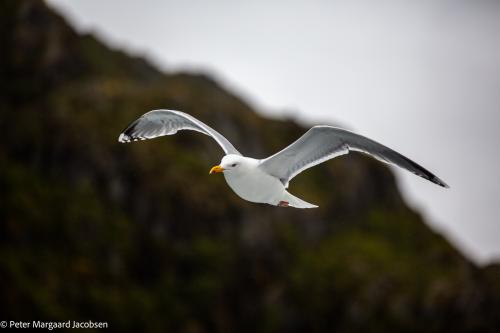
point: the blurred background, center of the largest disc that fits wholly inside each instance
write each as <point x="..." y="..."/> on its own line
<point x="422" y="77"/>
<point x="139" y="236"/>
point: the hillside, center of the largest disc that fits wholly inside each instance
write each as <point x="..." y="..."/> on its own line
<point x="140" y="236"/>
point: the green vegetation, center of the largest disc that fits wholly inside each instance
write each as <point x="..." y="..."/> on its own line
<point x="140" y="236"/>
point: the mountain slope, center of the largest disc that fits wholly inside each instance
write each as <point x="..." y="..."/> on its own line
<point x="141" y="237"/>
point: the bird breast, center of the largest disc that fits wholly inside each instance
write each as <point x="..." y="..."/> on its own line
<point x="256" y="186"/>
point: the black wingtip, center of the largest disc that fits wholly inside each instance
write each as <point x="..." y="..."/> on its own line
<point x="123" y="138"/>
<point x="443" y="184"/>
<point x="438" y="181"/>
<point x="127" y="134"/>
<point x="424" y="173"/>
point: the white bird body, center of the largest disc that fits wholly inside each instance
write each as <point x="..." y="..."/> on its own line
<point x="251" y="183"/>
<point x="266" y="180"/>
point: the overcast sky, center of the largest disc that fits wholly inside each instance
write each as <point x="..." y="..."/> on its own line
<point x="422" y="77"/>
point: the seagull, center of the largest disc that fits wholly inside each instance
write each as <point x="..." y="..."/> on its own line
<point x="266" y="180"/>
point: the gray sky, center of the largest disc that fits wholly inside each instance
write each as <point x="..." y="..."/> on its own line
<point x="422" y="77"/>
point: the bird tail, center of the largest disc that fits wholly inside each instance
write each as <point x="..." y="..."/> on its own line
<point x="293" y="201"/>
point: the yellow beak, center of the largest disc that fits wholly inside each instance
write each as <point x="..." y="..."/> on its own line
<point x="216" y="169"/>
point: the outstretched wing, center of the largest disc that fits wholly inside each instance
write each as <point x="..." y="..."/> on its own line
<point x="167" y="122"/>
<point x="322" y="143"/>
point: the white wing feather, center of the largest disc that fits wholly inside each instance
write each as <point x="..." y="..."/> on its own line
<point x="322" y="143"/>
<point x="167" y="122"/>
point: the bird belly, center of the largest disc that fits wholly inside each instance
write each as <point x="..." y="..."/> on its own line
<point x="260" y="188"/>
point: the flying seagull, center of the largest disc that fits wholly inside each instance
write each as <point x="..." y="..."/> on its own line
<point x="266" y="180"/>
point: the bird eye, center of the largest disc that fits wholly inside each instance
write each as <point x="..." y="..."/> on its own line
<point x="234" y="164"/>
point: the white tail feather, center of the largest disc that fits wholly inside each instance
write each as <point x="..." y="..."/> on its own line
<point x="293" y="201"/>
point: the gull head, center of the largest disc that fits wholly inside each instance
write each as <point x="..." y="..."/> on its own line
<point x="233" y="164"/>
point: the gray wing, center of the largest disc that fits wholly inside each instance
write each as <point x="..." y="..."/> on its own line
<point x="322" y="143"/>
<point x="167" y="122"/>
